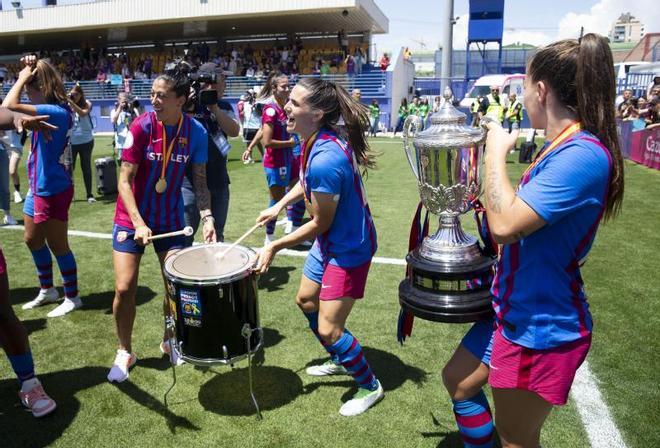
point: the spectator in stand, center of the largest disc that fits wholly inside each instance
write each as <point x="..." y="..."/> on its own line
<point x="350" y="65"/>
<point x="250" y="72"/>
<point x="148" y="66"/>
<point x="356" y="94"/>
<point x="621" y="100"/>
<point x="403" y="114"/>
<point x="358" y="57"/>
<point x="82" y="137"/>
<point x="384" y="62"/>
<point x="655" y="84"/>
<point x="325" y="68"/>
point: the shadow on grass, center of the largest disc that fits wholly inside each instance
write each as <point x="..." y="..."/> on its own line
<point x="228" y="392"/>
<point x="271" y="337"/>
<point x="388" y="368"/>
<point x="91" y="302"/>
<point x="34" y="325"/>
<point x="275" y="278"/>
<point x="21" y="429"/>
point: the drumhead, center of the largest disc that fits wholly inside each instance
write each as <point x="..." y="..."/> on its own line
<point x="202" y="264"/>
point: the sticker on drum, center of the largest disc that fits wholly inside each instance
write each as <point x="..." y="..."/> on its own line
<point x="203" y="265"/>
<point x="190" y="304"/>
<point x="192" y="322"/>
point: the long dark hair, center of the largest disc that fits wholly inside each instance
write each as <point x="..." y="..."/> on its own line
<point x="581" y="75"/>
<point x="271" y="82"/>
<point x="82" y="101"/>
<point x="335" y="102"/>
<point x="176" y="75"/>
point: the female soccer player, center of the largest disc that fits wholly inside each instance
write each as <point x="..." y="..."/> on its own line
<point x="336" y="269"/>
<point x="159" y="146"/>
<point x="546" y="226"/>
<point x="46" y="208"/>
<point x="13" y="337"/>
<point x="277" y="141"/>
<point x="82" y="136"/>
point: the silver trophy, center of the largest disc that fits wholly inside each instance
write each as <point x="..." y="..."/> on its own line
<point x="450" y="275"/>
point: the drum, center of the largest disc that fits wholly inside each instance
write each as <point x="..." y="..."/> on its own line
<point x="214" y="303"/>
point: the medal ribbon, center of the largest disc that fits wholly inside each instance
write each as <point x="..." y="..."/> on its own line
<point x="168" y="149"/>
<point x="561" y="138"/>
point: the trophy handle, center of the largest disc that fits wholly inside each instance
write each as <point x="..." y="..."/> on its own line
<point x="414" y="122"/>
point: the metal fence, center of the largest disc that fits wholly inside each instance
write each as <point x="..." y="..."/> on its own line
<point x="637" y="82"/>
<point x="372" y="85"/>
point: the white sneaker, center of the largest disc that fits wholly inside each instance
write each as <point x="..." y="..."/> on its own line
<point x="91" y="200"/>
<point x="66" y="307"/>
<point x="34" y="398"/>
<point x="269" y="239"/>
<point x="327" y="368"/>
<point x="17" y="197"/>
<point x="289" y="227"/>
<point x="123" y="363"/>
<point x="45" y="296"/>
<point x="9" y="220"/>
<point x="361" y="401"/>
<point x="175" y="359"/>
<point x="282" y="222"/>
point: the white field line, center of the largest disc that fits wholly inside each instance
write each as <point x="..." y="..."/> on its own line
<point x="595" y="415"/>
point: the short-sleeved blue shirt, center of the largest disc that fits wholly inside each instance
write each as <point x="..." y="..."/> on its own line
<point x="538" y="291"/>
<point x="332" y="169"/>
<point x="46" y="175"/>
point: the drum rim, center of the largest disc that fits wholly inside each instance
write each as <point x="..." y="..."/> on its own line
<point x="210" y="281"/>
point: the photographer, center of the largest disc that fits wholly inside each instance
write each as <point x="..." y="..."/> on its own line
<point x="126" y="110"/>
<point x="217" y="117"/>
<point x="82" y="136"/>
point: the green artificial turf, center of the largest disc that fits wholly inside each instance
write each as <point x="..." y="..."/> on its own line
<point x="212" y="407"/>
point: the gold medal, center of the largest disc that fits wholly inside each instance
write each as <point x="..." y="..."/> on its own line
<point x="161" y="186"/>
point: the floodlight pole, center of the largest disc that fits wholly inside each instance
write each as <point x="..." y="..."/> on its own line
<point x="447" y="47"/>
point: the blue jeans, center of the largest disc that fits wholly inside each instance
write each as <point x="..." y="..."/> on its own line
<point x="373" y="129"/>
<point x="4" y="179"/>
<point x="219" y="208"/>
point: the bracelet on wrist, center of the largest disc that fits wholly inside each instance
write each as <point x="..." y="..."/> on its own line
<point x="208" y="218"/>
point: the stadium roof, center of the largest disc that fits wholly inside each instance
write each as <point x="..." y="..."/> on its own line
<point x="125" y="22"/>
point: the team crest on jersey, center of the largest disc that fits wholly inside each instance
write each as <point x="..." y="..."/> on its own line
<point x="183" y="141"/>
<point x="121" y="236"/>
<point x="270" y="112"/>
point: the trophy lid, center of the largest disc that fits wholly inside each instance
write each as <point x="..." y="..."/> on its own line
<point x="448" y="128"/>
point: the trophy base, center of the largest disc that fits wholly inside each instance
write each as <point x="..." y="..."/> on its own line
<point x="447" y="292"/>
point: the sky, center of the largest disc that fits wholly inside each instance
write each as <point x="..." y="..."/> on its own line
<point x="417" y="23"/>
<point x="526" y="21"/>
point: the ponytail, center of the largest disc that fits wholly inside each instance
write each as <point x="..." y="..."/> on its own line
<point x="269" y="87"/>
<point x="335" y="103"/>
<point x="581" y="75"/>
<point x="49" y="82"/>
<point x="596" y="88"/>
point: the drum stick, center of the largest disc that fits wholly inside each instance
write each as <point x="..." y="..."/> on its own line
<point x="238" y="241"/>
<point x="187" y="231"/>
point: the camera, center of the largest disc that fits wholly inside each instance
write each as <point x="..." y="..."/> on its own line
<point x="202" y="97"/>
<point x="128" y="105"/>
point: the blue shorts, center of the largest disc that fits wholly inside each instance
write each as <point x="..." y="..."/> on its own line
<point x="122" y="241"/>
<point x="313" y="268"/>
<point x="479" y="339"/>
<point x="278" y="176"/>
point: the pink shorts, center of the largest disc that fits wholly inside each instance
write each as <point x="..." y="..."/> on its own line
<point x="548" y="373"/>
<point x="3" y="263"/>
<point x="340" y="282"/>
<point x="52" y="207"/>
